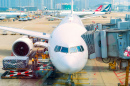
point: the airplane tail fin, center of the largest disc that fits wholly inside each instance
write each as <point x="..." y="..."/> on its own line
<point x="83" y="10"/>
<point x="107" y="9"/>
<point x="99" y="8"/>
<point x="45" y="8"/>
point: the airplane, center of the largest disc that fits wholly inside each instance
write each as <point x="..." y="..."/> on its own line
<point x="6" y="15"/>
<point x="67" y="55"/>
<point x="105" y="10"/>
<point x="65" y="13"/>
<point x="67" y="49"/>
<point x="2" y="17"/>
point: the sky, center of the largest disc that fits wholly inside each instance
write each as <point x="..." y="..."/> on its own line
<point x="79" y="4"/>
<point x="94" y="2"/>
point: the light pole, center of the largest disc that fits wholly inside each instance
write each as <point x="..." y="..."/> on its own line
<point x="85" y="4"/>
<point x="72" y="7"/>
<point x="28" y="7"/>
<point x="112" y="3"/>
<point x="20" y="7"/>
<point x="54" y="7"/>
<point x="37" y="6"/>
<point x="60" y="5"/>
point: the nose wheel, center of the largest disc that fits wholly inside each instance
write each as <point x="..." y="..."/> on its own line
<point x="69" y="81"/>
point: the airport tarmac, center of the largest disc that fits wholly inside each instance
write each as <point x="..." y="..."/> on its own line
<point x="96" y="72"/>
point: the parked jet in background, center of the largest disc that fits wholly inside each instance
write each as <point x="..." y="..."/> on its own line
<point x="105" y="10"/>
<point x="7" y="15"/>
<point x="2" y="17"/>
<point x="79" y="13"/>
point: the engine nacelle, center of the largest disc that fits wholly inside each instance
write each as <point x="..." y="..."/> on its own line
<point x="22" y="47"/>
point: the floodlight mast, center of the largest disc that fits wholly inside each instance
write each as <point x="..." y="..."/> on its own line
<point x="71" y="7"/>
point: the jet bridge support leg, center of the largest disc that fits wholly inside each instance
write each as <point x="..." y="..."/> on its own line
<point x="127" y="75"/>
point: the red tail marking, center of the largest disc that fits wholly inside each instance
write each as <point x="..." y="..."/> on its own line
<point x="99" y="8"/>
<point x="83" y="10"/>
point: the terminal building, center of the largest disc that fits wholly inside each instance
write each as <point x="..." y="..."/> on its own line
<point x="122" y="8"/>
<point x="25" y="8"/>
<point x="22" y="3"/>
<point x="68" y="7"/>
<point x="3" y="9"/>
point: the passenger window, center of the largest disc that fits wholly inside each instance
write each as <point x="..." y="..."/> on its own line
<point x="82" y="49"/>
<point x="57" y="48"/>
<point x="73" y="49"/>
<point x="64" y="50"/>
<point x="79" y="49"/>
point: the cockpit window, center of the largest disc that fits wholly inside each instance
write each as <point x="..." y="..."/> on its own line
<point x="61" y="49"/>
<point x="73" y="49"/>
<point x="69" y="50"/>
<point x="82" y="49"/>
<point x="57" y="48"/>
<point x="79" y="48"/>
<point x="64" y="50"/>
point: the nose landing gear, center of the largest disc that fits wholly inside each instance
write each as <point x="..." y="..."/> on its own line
<point x="69" y="81"/>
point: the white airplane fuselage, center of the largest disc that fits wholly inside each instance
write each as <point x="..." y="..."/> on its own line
<point x="62" y="14"/>
<point x="68" y="35"/>
<point x="99" y="13"/>
<point x="12" y="14"/>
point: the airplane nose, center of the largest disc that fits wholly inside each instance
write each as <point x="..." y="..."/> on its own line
<point x="69" y="65"/>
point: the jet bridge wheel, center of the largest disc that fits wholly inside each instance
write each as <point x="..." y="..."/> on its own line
<point x="72" y="84"/>
<point x="69" y="84"/>
<point x="106" y="60"/>
<point x="70" y="81"/>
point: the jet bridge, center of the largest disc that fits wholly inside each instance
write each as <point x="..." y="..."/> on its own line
<point x="111" y="43"/>
<point x="108" y="40"/>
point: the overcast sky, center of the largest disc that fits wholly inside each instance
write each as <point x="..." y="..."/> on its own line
<point x="94" y="2"/>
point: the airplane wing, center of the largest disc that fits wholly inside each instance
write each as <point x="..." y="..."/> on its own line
<point x="54" y="17"/>
<point x="26" y="32"/>
<point x="41" y="44"/>
<point x="83" y="15"/>
<point x="57" y="18"/>
<point x="2" y="17"/>
<point x="91" y="16"/>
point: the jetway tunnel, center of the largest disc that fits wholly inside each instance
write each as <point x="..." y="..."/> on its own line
<point x="108" y="40"/>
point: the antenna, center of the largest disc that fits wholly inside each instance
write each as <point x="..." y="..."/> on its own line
<point x="71" y="7"/>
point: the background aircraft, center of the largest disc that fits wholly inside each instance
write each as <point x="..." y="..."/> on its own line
<point x="105" y="10"/>
<point x="80" y="13"/>
<point x="99" y="9"/>
<point x="7" y="15"/>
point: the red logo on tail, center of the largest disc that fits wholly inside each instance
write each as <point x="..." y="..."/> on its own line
<point x="99" y="8"/>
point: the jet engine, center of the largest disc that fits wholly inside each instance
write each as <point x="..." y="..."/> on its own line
<point x="22" y="46"/>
